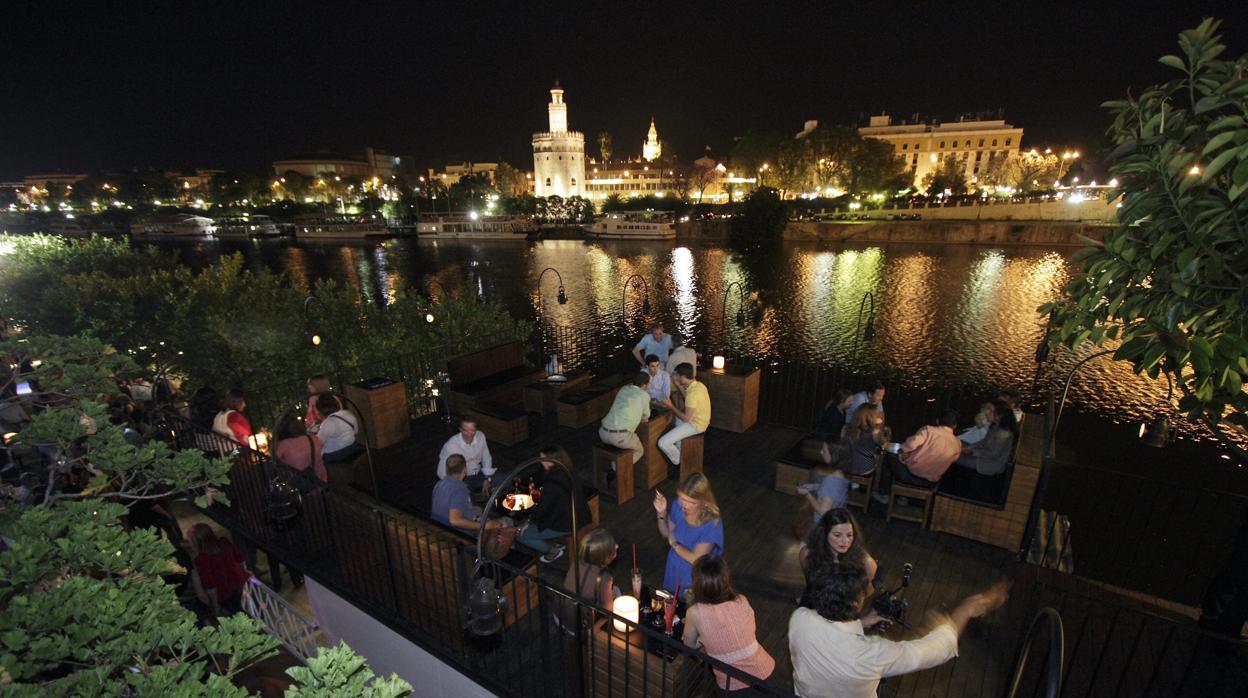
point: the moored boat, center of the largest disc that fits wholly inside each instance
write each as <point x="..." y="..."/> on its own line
<point x="471" y="226"/>
<point x="643" y="225"/>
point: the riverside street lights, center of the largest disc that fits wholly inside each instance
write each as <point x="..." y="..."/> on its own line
<point x="562" y="297"/>
<point x="645" y="301"/>
<point x="869" y="333"/>
<point x="740" y="305"/>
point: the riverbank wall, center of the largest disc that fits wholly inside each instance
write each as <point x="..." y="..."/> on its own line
<point x="950" y="232"/>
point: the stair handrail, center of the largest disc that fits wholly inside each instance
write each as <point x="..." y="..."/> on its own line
<point x="1049" y="618"/>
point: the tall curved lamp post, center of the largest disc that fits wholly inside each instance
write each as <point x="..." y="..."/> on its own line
<point x="485" y="603"/>
<point x="645" y="300"/>
<point x="740" y="305"/>
<point x="562" y="297"/>
<point x="869" y="333"/>
<point x="1157" y="434"/>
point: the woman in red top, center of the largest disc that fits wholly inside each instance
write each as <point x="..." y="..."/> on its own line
<point x="231" y="422"/>
<point x="219" y="574"/>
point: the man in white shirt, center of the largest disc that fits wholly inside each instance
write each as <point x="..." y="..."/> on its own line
<point x="654" y="342"/>
<point x="873" y="396"/>
<point x="833" y="656"/>
<point x="337" y="431"/>
<point x="682" y="354"/>
<point x="470" y="444"/>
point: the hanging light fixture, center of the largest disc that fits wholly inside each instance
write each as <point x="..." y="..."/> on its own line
<point x="485" y="609"/>
<point x="1158" y="433"/>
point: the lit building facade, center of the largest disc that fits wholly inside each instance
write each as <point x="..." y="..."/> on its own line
<point x="373" y="163"/>
<point x="923" y="146"/>
<point x="558" y="154"/>
<point x="633" y="179"/>
<point x="451" y="174"/>
<point x="652" y="150"/>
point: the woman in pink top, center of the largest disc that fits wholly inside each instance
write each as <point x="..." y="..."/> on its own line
<point x="722" y="621"/>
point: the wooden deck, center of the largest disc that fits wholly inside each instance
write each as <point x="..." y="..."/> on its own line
<point x="759" y="545"/>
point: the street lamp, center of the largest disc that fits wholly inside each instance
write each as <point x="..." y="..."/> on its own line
<point x="645" y="301"/>
<point x="562" y="297"/>
<point x="869" y="333"/>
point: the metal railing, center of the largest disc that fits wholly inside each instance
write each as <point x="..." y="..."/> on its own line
<point x="414" y="575"/>
<point x="1114" y="646"/>
<point x="281" y="619"/>
<point x="1050" y="681"/>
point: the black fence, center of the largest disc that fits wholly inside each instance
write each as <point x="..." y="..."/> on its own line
<point x="1114" y="647"/>
<point x="415" y="576"/>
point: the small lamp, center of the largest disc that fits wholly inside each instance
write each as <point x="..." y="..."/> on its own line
<point x="869" y="333"/>
<point x="628" y="608"/>
<point x="563" y="297"/>
<point x="645" y="305"/>
<point x="740" y="317"/>
<point x="316" y="340"/>
<point x="258" y="441"/>
<point x="1042" y="351"/>
<point x="485" y="609"/>
<point x="1157" y="434"/>
<point x="429" y="318"/>
<point x="717" y="362"/>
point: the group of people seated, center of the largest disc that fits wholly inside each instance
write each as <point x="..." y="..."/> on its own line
<point x="856" y="441"/>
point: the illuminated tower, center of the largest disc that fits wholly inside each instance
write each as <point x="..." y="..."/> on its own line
<point x="651" y="150"/>
<point x="558" y="154"/>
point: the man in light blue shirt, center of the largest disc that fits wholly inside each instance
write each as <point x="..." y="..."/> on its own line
<point x="630" y="408"/>
<point x="660" y="384"/>
<point x="874" y="396"/>
<point x="656" y="343"/>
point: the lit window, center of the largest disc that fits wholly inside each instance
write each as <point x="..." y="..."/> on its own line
<point x="981" y="142"/>
<point x="967" y="144"/>
<point x="574" y="181"/>
<point x="994" y="142"/>
<point x="942" y="144"/>
<point x="905" y="146"/>
<point x="1007" y="141"/>
<point x="548" y="181"/>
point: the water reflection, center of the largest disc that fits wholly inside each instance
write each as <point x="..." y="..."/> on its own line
<point x="959" y="316"/>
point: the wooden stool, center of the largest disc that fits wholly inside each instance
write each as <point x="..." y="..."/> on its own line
<point x="622" y="458"/>
<point x="861" y="496"/>
<point x="584" y="527"/>
<point x="691" y="454"/>
<point x="909" y="512"/>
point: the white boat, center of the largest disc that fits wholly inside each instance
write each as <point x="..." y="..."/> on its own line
<point x="246" y="227"/>
<point x="647" y="225"/>
<point x="176" y="226"/>
<point x="69" y="227"/>
<point x="340" y="228"/>
<point x="484" y="227"/>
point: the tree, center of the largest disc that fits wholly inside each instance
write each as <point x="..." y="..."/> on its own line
<point x="832" y="149"/>
<point x="762" y="219"/>
<point x="1169" y="284"/>
<point x="703" y="175"/>
<point x="949" y="176"/>
<point x="472" y="191"/>
<point x="509" y="181"/>
<point x="83" y="607"/>
<point x="604" y="146"/>
<point x="873" y="167"/>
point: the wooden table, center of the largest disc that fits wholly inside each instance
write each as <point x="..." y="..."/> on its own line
<point x="382" y="410"/>
<point x="734" y="396"/>
<point x="655" y="465"/>
<point x="618" y="665"/>
<point x="543" y="396"/>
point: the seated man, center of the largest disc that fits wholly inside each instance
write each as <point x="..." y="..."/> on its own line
<point x="694" y="419"/>
<point x="660" y="387"/>
<point x="873" y="396"/>
<point x="655" y="343"/>
<point x="924" y="457"/>
<point x="832" y="654"/>
<point x="338" y="430"/>
<point x="682" y="354"/>
<point x="317" y="385"/>
<point x="983" y="422"/>
<point x="991" y="456"/>
<point x="452" y="504"/>
<point x="630" y="408"/>
<point x="470" y="444"/>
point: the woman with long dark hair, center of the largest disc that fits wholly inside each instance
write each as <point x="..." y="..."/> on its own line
<point x="834" y="540"/>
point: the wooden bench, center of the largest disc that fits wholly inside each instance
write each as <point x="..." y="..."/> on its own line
<point x="995" y="509"/>
<point x="586" y="406"/>
<point x="796" y="467"/>
<point x="496" y="375"/>
<point x="502" y="423"/>
<point x="691" y="448"/>
<point x="860" y="489"/>
<point x="607" y="458"/>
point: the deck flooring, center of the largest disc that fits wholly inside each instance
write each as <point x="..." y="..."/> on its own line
<point x="759" y="544"/>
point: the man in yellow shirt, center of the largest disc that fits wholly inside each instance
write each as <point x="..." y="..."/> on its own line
<point x="694" y="419"/>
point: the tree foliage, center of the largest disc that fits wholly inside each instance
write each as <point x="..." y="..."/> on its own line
<point x="1168" y="283"/>
<point x="84" y="609"/>
<point x="762" y="219"/>
<point x="949" y="176"/>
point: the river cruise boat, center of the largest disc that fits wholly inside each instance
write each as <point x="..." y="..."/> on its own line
<point x="247" y="227"/>
<point x="483" y="227"/>
<point x="647" y="225"/>
<point x="341" y="228"/>
<point x="183" y="225"/>
<point x="70" y="227"/>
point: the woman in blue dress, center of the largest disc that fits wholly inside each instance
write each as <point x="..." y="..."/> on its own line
<point x="691" y="526"/>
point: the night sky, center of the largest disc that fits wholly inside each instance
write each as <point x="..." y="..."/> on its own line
<point x="94" y="85"/>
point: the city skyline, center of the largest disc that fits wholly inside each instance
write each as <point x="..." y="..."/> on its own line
<point x="235" y="87"/>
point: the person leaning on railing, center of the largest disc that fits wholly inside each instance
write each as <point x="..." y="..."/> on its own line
<point x="833" y="657"/>
<point x="721" y="620"/>
<point x="597" y="551"/>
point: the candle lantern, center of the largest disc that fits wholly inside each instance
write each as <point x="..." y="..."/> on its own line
<point x="625" y="607"/>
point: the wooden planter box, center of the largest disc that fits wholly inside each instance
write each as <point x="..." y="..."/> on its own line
<point x="586" y="406"/>
<point x="542" y="396"/>
<point x="384" y="419"/>
<point x="734" y="396"/>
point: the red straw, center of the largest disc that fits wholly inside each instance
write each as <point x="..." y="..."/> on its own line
<point x="678" y="581"/>
<point x="634" y="556"/>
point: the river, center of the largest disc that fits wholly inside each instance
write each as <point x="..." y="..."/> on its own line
<point x="957" y="315"/>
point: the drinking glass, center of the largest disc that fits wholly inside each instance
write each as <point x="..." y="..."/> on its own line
<point x="636" y="583"/>
<point x="669" y="613"/>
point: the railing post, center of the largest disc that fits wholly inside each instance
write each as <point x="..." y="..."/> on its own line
<point x="1042" y="483"/>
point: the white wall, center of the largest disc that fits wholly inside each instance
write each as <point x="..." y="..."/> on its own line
<point x="387" y="652"/>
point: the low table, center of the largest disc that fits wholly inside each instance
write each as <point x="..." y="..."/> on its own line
<point x="576" y="409"/>
<point x="655" y="466"/>
<point x="542" y="396"/>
